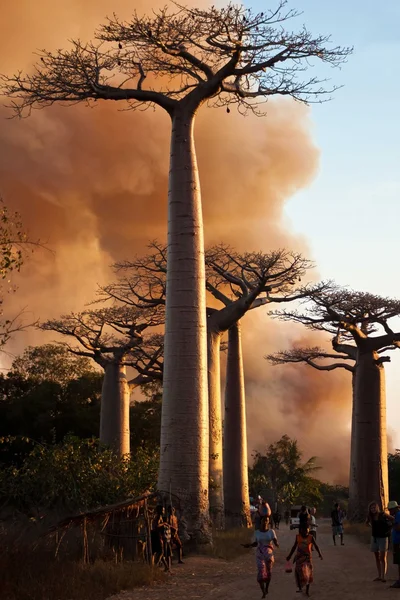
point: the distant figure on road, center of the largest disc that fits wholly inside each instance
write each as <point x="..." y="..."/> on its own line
<point x="287" y="517"/>
<point x="313" y="523"/>
<point x="337" y="524"/>
<point x="277" y="519"/>
<point x="380" y="523"/>
<point x="304" y="517"/>
<point x="265" y="540"/>
<point x="303" y="545"/>
<point x="394" y="510"/>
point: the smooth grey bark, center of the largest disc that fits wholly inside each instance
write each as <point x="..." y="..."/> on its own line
<point x="218" y="322"/>
<point x="184" y="423"/>
<point x="114" y="414"/>
<point x="369" y="466"/>
<point x="236" y="484"/>
<point x="215" y="425"/>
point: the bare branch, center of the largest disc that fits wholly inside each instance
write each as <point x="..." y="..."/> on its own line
<point x="358" y="315"/>
<point x="310" y="356"/>
<point x="226" y="55"/>
<point x="112" y="333"/>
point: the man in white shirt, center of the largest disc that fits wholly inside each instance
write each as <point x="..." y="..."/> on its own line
<point x="313" y="523"/>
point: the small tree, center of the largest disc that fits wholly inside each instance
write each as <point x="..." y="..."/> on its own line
<point x="240" y="282"/>
<point x="363" y="320"/>
<point x="14" y="246"/>
<point x="51" y="362"/>
<point x="179" y="60"/>
<point x="282" y="473"/>
<point x="112" y="337"/>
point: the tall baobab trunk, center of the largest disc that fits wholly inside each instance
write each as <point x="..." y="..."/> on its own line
<point x="184" y="422"/>
<point x="114" y="415"/>
<point x="369" y="472"/>
<point x="215" y="421"/>
<point x="236" y="484"/>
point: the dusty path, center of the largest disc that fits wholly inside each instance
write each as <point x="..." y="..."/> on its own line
<point x="345" y="573"/>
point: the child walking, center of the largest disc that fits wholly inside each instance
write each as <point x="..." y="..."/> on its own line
<point x="303" y="546"/>
<point x="265" y="540"/>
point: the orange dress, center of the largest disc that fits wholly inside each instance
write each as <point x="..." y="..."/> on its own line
<point x="303" y="560"/>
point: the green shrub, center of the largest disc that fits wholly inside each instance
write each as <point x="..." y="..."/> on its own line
<point x="76" y="475"/>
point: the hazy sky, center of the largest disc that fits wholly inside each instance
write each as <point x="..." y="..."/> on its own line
<point x="351" y="213"/>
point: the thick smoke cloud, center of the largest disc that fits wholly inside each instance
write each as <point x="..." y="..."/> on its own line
<point x="93" y="185"/>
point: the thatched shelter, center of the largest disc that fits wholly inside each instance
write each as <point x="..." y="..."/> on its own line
<point x="122" y="529"/>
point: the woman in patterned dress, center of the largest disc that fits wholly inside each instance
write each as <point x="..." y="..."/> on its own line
<point x="303" y="546"/>
<point x="265" y="540"/>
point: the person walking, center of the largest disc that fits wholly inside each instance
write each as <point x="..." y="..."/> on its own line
<point x="287" y="516"/>
<point x="172" y="521"/>
<point x="394" y="510"/>
<point x="160" y="538"/>
<point x="337" y="524"/>
<point x="380" y="523"/>
<point x="265" y="540"/>
<point x="304" y="517"/>
<point x="313" y="523"/>
<point x="303" y="546"/>
<point x="277" y="519"/>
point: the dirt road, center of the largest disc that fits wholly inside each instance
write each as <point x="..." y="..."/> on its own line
<point x="345" y="573"/>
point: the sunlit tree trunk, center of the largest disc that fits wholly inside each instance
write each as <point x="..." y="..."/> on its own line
<point x="184" y="423"/>
<point x="114" y="414"/>
<point x="236" y="485"/>
<point x="369" y="468"/>
<point x="215" y="423"/>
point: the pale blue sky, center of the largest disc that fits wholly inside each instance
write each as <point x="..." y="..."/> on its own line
<point x="351" y="213"/>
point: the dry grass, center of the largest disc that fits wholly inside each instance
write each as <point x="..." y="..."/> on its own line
<point x="227" y="544"/>
<point x="27" y="575"/>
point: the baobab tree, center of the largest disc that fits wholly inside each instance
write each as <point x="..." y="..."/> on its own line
<point x="113" y="338"/>
<point x="239" y="282"/>
<point x="179" y="59"/>
<point x="359" y="325"/>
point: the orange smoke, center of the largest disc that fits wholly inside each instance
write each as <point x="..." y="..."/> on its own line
<point x="93" y="185"/>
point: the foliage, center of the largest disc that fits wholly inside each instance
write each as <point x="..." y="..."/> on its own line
<point x="145" y="423"/>
<point x="75" y="475"/>
<point x="51" y="362"/>
<point x="332" y="494"/>
<point x="281" y="476"/>
<point x="50" y="393"/>
<point x="46" y="411"/>
<point x="14" y="243"/>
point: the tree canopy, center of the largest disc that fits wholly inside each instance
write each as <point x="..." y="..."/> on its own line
<point x="281" y="475"/>
<point x="361" y="318"/>
<point x="51" y="362"/>
<point x="224" y="55"/>
<point x="115" y="332"/>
